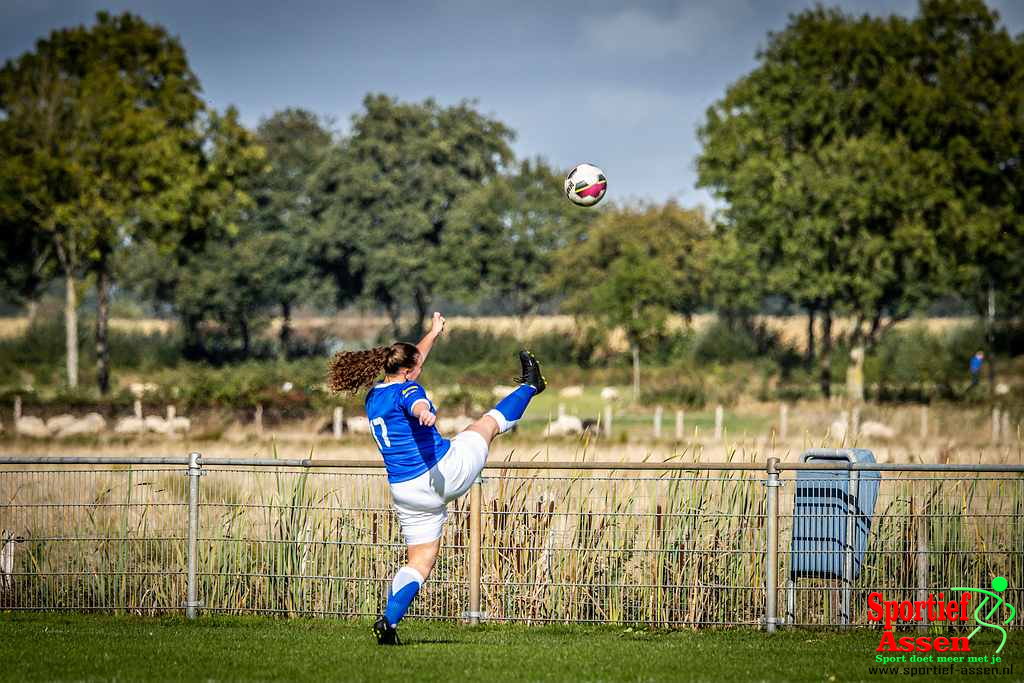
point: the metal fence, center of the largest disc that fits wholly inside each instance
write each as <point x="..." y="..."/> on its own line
<point x="662" y="544"/>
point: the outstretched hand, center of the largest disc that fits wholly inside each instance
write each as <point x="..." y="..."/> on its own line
<point x="427" y="418"/>
<point x="437" y="324"/>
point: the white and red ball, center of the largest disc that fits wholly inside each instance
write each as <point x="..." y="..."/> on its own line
<point x="585" y="185"/>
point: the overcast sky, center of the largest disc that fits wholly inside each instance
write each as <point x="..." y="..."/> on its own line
<point x="623" y="85"/>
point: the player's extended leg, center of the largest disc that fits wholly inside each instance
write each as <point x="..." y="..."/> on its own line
<point x="509" y="409"/>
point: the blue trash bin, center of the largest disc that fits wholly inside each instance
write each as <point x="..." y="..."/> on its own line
<point x="823" y="503"/>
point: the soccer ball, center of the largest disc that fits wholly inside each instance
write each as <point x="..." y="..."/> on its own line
<point x="585" y="185"/>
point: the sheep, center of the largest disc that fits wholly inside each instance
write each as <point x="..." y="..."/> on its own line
<point x="565" y="425"/>
<point x="571" y="392"/>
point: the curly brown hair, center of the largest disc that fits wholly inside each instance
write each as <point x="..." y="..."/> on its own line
<point x="350" y="371"/>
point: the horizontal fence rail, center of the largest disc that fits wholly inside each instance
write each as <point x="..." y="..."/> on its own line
<point x="666" y="544"/>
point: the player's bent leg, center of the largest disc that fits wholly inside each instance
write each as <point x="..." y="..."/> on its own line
<point x="421" y="514"/>
<point x="422" y="556"/>
<point x="404" y="586"/>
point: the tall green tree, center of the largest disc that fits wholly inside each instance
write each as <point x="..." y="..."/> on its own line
<point x="508" y="232"/>
<point x="205" y="267"/>
<point x="966" y="102"/>
<point x="634" y="268"/>
<point x="102" y="121"/>
<point x="736" y="285"/>
<point x="847" y="170"/>
<point x="295" y="141"/>
<point x="383" y="198"/>
<point x="27" y="260"/>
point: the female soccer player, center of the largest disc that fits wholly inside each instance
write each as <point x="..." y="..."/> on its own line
<point x="425" y="470"/>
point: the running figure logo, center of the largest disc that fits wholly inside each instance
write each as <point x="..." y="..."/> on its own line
<point x="999" y="585"/>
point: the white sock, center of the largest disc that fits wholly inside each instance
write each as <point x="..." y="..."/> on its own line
<point x="504" y="424"/>
<point x="404" y="577"/>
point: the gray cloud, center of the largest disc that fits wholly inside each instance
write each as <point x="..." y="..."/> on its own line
<point x="623" y="85"/>
<point x="648" y="33"/>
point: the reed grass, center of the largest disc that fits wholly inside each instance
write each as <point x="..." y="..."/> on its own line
<point x="675" y="548"/>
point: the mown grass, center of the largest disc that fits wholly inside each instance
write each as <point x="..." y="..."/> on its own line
<point x="57" y="647"/>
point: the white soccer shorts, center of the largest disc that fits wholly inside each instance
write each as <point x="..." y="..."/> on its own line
<point x="422" y="503"/>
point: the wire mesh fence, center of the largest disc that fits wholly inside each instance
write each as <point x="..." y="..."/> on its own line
<point x="673" y="545"/>
<point x="928" y="534"/>
<point x="93" y="539"/>
<point x="300" y="542"/>
<point x="677" y="548"/>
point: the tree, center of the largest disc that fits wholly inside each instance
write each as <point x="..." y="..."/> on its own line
<point x="863" y="235"/>
<point x="295" y="142"/>
<point x="966" y="102"/>
<point x="102" y="119"/>
<point x="27" y="260"/>
<point x="634" y="268"/>
<point x="736" y="285"/>
<point x="383" y="198"/>
<point x="205" y="266"/>
<point x="509" y="231"/>
<point x="854" y="157"/>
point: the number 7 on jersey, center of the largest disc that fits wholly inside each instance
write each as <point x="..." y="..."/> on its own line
<point x="383" y="432"/>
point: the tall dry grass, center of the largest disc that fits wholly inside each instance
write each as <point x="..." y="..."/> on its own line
<point x="669" y="549"/>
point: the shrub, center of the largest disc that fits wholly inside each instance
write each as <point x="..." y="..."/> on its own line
<point x="690" y="393"/>
<point x="724" y="343"/>
<point x="913" y="364"/>
<point x="42" y="344"/>
<point x="675" y="347"/>
<point x="461" y="347"/>
<point x="560" y="348"/>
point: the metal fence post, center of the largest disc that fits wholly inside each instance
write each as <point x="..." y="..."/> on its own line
<point x="852" y="508"/>
<point x="771" y="570"/>
<point x="475" y="533"/>
<point x="195" y="470"/>
<point x="921" y="529"/>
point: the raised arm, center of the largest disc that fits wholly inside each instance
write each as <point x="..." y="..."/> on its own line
<point x="427" y="343"/>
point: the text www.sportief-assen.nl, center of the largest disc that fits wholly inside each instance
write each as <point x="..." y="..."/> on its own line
<point x="942" y="670"/>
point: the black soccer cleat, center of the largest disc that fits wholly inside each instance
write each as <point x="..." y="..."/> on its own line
<point x="531" y="372"/>
<point x="385" y="632"/>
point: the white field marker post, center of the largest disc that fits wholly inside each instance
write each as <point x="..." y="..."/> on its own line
<point x="680" y="425"/>
<point x="719" y="419"/>
<point x="138" y="408"/>
<point x="924" y="422"/>
<point x="783" y="421"/>
<point x="171" y="413"/>
<point x="258" y="419"/>
<point x="608" y="419"/>
<point x="995" y="425"/>
<point x="657" y="423"/>
<point x="338" y="422"/>
<point x="1005" y="431"/>
<point x="17" y="409"/>
<point x="561" y="410"/>
<point x="854" y="421"/>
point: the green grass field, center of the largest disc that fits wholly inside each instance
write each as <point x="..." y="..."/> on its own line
<point x="58" y="647"/>
<point x="637" y="419"/>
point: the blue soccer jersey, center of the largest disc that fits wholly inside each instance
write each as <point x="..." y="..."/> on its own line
<point x="409" y="448"/>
